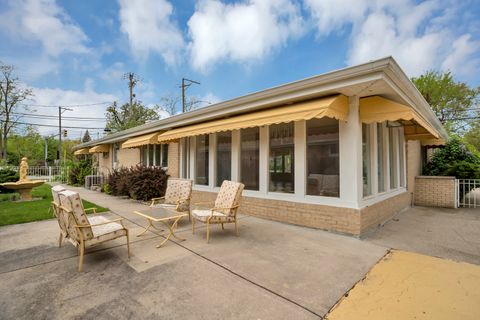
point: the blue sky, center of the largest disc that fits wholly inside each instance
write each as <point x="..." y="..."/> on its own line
<point x="75" y="52"/>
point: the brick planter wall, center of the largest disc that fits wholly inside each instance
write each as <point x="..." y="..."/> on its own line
<point x="342" y="220"/>
<point x="435" y="191"/>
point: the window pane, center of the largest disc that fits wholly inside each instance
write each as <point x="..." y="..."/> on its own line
<point x="401" y="157"/>
<point x="164" y="155"/>
<point x="380" y="155"/>
<point x="249" y="158"/>
<point x="323" y="161"/>
<point x="150" y="155"/>
<point x="201" y="165"/>
<point x="224" y="156"/>
<point x="281" y="158"/>
<point x="158" y="149"/>
<point x="392" y="158"/>
<point x="367" y="173"/>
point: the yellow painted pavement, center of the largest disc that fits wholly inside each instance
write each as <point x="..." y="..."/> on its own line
<point x="406" y="285"/>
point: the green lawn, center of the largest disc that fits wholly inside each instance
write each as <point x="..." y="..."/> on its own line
<point x="21" y="212"/>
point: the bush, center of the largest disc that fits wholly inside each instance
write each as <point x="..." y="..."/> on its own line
<point x="8" y="175"/>
<point x="79" y="170"/>
<point x="455" y="159"/>
<point x="140" y="183"/>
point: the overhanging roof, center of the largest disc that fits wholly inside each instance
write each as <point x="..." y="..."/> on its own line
<point x="380" y="77"/>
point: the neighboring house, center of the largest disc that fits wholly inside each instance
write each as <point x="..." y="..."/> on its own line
<point x="338" y="151"/>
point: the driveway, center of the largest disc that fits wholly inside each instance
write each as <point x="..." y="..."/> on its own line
<point x="271" y="271"/>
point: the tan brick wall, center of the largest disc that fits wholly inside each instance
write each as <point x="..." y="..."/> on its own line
<point x="105" y="161"/>
<point x="128" y="157"/>
<point x="174" y="159"/>
<point x="435" y="191"/>
<point x="414" y="163"/>
<point x="380" y="212"/>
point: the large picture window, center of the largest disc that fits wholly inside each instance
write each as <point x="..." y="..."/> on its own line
<point x="380" y="158"/>
<point x="392" y="155"/>
<point x="323" y="161"/>
<point x="224" y="157"/>
<point x="154" y="155"/>
<point x="401" y="157"/>
<point x="250" y="158"/>
<point x="281" y="162"/>
<point x="201" y="160"/>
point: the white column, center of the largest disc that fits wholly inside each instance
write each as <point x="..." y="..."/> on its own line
<point x="374" y="157"/>
<point x="212" y="157"/>
<point x="300" y="161"/>
<point x="192" y="157"/>
<point x="263" y="154"/>
<point x="235" y="155"/>
<point x="351" y="155"/>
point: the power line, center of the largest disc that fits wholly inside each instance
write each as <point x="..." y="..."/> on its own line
<point x="69" y="106"/>
<point x="55" y="126"/>
<point x="45" y="116"/>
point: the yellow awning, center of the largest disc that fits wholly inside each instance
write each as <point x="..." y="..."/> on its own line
<point x="433" y="142"/>
<point x="136" y="142"/>
<point x="378" y="109"/>
<point x="332" y="107"/>
<point x="100" y="148"/>
<point x="81" y="151"/>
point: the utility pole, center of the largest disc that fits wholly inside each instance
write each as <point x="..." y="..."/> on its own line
<point x="59" y="151"/>
<point x="184" y="87"/>
<point x="132" y="82"/>
<point x="46" y="151"/>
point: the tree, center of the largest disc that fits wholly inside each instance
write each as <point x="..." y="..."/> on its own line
<point x="12" y="93"/>
<point x="453" y="102"/>
<point x="86" y="137"/>
<point x="170" y="104"/>
<point x="473" y="135"/>
<point x="129" y="116"/>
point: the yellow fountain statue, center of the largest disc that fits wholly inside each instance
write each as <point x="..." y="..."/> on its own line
<point x="23" y="186"/>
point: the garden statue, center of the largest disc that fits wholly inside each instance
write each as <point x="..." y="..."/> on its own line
<point x="23" y="186"/>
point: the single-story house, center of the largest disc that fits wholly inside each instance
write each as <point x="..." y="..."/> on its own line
<point x="338" y="151"/>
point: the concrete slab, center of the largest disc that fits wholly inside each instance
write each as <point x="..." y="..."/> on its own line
<point x="412" y="286"/>
<point x="446" y="233"/>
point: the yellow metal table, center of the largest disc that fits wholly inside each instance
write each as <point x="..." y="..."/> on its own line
<point x="167" y="217"/>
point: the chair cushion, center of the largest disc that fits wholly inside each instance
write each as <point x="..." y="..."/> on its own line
<point x="55" y="190"/>
<point x="228" y="196"/>
<point x="165" y="205"/>
<point x="104" y="232"/>
<point x="71" y="201"/>
<point x="179" y="189"/>
<point x="204" y="214"/>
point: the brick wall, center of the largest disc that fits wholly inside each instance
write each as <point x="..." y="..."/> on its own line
<point x="128" y="157"/>
<point x="435" y="191"/>
<point x="337" y="219"/>
<point x="414" y="163"/>
<point x="173" y="159"/>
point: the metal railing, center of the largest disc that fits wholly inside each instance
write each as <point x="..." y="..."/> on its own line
<point x="468" y="193"/>
<point x="49" y="173"/>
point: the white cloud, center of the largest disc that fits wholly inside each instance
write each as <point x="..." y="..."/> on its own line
<point x="150" y="28"/>
<point x="61" y="97"/>
<point x="46" y="22"/>
<point x="419" y="36"/>
<point x="241" y="32"/>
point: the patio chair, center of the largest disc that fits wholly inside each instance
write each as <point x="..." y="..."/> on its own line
<point x="86" y="231"/>
<point x="224" y="209"/>
<point x="55" y="206"/>
<point x="177" y="196"/>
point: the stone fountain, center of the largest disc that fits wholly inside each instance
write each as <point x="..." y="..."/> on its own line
<point x="23" y="186"/>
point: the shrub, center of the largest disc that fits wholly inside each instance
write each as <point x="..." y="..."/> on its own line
<point x="79" y="170"/>
<point x="140" y="183"/>
<point x="147" y="182"/>
<point x="455" y="159"/>
<point x="8" y="175"/>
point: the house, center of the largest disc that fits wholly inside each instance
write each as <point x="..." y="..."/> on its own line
<point x="338" y="151"/>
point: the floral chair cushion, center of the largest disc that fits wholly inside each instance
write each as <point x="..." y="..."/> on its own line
<point x="229" y="196"/>
<point x="104" y="232"/>
<point x="217" y="217"/>
<point x="55" y="190"/>
<point x="71" y="201"/>
<point x="179" y="189"/>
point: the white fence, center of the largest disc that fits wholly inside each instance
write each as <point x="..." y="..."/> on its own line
<point x="49" y="173"/>
<point x="468" y="193"/>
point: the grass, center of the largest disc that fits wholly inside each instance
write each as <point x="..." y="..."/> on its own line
<point x="22" y="212"/>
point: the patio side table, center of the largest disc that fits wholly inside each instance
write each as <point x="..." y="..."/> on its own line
<point x="167" y="217"/>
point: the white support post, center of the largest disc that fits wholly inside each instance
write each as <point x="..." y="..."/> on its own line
<point x="300" y="160"/>
<point x="212" y="157"/>
<point x="235" y="155"/>
<point x="351" y="155"/>
<point x="263" y="154"/>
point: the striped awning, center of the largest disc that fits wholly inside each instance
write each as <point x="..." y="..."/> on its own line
<point x="378" y="109"/>
<point x="136" y="142"/>
<point x="102" y="148"/>
<point x="81" y="151"/>
<point x="332" y="107"/>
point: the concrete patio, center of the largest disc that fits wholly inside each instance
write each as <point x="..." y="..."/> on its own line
<point x="271" y="271"/>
